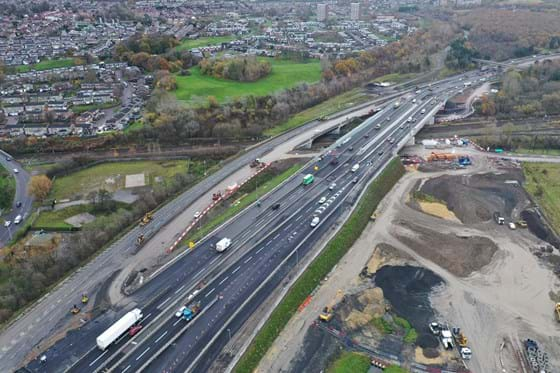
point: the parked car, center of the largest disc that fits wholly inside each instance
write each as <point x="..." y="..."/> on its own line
<point x="7" y="223"/>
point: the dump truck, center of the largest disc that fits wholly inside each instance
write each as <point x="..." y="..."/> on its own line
<point x="326" y="315"/>
<point x="147" y="218"/>
<point x="190" y="312"/>
<point x="446" y="338"/>
<point x="122" y="325"/>
<point x="223" y="244"/>
<point x="498" y="218"/>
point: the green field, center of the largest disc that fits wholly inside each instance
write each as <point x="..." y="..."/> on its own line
<point x="350" y="362"/>
<point x="7" y="188"/>
<point x="332" y="105"/>
<point x="537" y="151"/>
<point x="46" y="65"/>
<point x="187" y="44"/>
<point x="542" y="181"/>
<point x="111" y="176"/>
<point x="55" y="219"/>
<point x="285" y="74"/>
<point x="78" y="109"/>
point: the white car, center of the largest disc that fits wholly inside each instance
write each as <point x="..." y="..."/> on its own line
<point x="7" y="223"/>
<point x="17" y="220"/>
<point x="197" y="215"/>
<point x="315" y="221"/>
<point x="16" y="171"/>
<point x="179" y="312"/>
<point x="332" y="186"/>
<point x="322" y="200"/>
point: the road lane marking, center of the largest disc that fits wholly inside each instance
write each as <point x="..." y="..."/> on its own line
<point x="289" y="226"/>
<point x="235" y="270"/>
<point x="176" y="322"/>
<point x="99" y="357"/>
<point x="299" y="217"/>
<point x="125" y="369"/>
<point x="199" y="272"/>
<point x="165" y="301"/>
<point x="248" y="260"/>
<point x="178" y="290"/>
<point x="259" y="250"/>
<point x="142" y="354"/>
<point x="144" y="318"/>
<point x="211" y="291"/>
<point x="275" y="237"/>
<point x="224" y="280"/>
<point x="163" y="335"/>
<point x="268" y="243"/>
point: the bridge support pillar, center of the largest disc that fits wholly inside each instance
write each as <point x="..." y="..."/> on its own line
<point x="337" y="130"/>
<point x="411" y="141"/>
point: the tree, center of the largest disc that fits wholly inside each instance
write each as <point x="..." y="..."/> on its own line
<point x="39" y="187"/>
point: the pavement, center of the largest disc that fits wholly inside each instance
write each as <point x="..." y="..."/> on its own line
<point x="22" y="179"/>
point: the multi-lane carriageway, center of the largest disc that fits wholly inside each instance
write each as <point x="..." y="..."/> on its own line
<point x="267" y="244"/>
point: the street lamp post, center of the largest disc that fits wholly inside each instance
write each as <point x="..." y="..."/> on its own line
<point x="229" y="334"/>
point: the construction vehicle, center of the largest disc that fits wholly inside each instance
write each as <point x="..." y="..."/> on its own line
<point x="557" y="308"/>
<point x="190" y="312"/>
<point x="446" y="338"/>
<point x="498" y="218"/>
<point x="464" y="161"/>
<point x="147" y="218"/>
<point x="85" y="298"/>
<point x="442" y="157"/>
<point x="460" y="338"/>
<point x="522" y="224"/>
<point x="122" y="325"/>
<point x="140" y="240"/>
<point x="435" y="328"/>
<point x="75" y="310"/>
<point x="326" y="315"/>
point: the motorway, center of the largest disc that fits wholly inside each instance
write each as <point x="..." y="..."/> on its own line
<point x="266" y="246"/>
<point x="22" y="179"/>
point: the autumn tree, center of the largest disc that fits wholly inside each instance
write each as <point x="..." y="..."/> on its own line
<point x="39" y="187"/>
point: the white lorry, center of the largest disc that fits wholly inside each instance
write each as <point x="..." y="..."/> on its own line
<point x="119" y="328"/>
<point x="223" y="244"/>
<point x="355" y="167"/>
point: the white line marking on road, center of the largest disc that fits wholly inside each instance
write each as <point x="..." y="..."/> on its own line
<point x="125" y="369"/>
<point x="224" y="280"/>
<point x="259" y="250"/>
<point x="289" y="226"/>
<point x="199" y="272"/>
<point x="144" y="319"/>
<point x="213" y="260"/>
<point x="178" y="290"/>
<point x="211" y="291"/>
<point x="299" y="217"/>
<point x="248" y="260"/>
<point x="165" y="301"/>
<point x="235" y="270"/>
<point x="99" y="357"/>
<point x="161" y="336"/>
<point x="142" y="354"/>
<point x="177" y="322"/>
<point x="275" y="237"/>
<point x="268" y="243"/>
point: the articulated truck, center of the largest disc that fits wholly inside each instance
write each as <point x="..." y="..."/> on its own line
<point x="119" y="328"/>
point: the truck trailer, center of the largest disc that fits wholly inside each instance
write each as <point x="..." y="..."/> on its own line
<point x="119" y="328"/>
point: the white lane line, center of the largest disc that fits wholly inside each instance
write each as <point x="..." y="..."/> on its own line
<point x="248" y="260"/>
<point x="161" y="336"/>
<point x="259" y="250"/>
<point x="211" y="291"/>
<point x="125" y="369"/>
<point x="177" y="322"/>
<point x="142" y="354"/>
<point x="268" y="243"/>
<point x="99" y="357"/>
<point x="299" y="217"/>
<point x="165" y="301"/>
<point x="199" y="272"/>
<point x="144" y="319"/>
<point x="178" y="290"/>
<point x="213" y="260"/>
<point x="275" y="237"/>
<point x="235" y="270"/>
<point x="224" y="280"/>
<point x="289" y="226"/>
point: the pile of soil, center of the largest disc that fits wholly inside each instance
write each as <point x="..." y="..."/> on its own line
<point x="474" y="198"/>
<point x="408" y="288"/>
<point x="459" y="255"/>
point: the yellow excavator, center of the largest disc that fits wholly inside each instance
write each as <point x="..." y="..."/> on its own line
<point x="326" y="315"/>
<point x="147" y="218"/>
<point x="85" y="299"/>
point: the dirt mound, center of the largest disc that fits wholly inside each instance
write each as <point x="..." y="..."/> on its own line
<point x="459" y="255"/>
<point x="427" y="341"/>
<point x="407" y="288"/>
<point x="365" y="307"/>
<point x="474" y="198"/>
<point x="371" y="296"/>
<point x="430" y="353"/>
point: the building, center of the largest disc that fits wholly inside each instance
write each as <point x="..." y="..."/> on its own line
<point x="322" y="12"/>
<point x="355" y="11"/>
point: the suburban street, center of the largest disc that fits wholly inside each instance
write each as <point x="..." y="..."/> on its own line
<point x="197" y="275"/>
<point x="22" y="179"/>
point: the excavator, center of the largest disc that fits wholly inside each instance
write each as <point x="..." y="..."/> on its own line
<point x="85" y="299"/>
<point x="75" y="310"/>
<point x="147" y="218"/>
<point x="326" y="315"/>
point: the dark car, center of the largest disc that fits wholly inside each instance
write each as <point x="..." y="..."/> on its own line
<point x="134" y="330"/>
<point x="8" y="159"/>
<point x="380" y="152"/>
<point x="18" y="204"/>
<point x="355" y="180"/>
<point x="276" y="206"/>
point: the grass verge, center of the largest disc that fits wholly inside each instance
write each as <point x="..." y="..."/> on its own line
<point x="196" y="88"/>
<point x="321" y="266"/>
<point x="542" y="181"/>
<point x="350" y="362"/>
<point x="78" y="109"/>
<point x="7" y="188"/>
<point x="332" y="105"/>
<point x="242" y="202"/>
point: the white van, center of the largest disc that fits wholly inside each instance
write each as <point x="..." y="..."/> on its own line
<point x="17" y="220"/>
<point x="355" y="167"/>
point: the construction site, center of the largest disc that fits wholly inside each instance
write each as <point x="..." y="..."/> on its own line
<point x="457" y="272"/>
